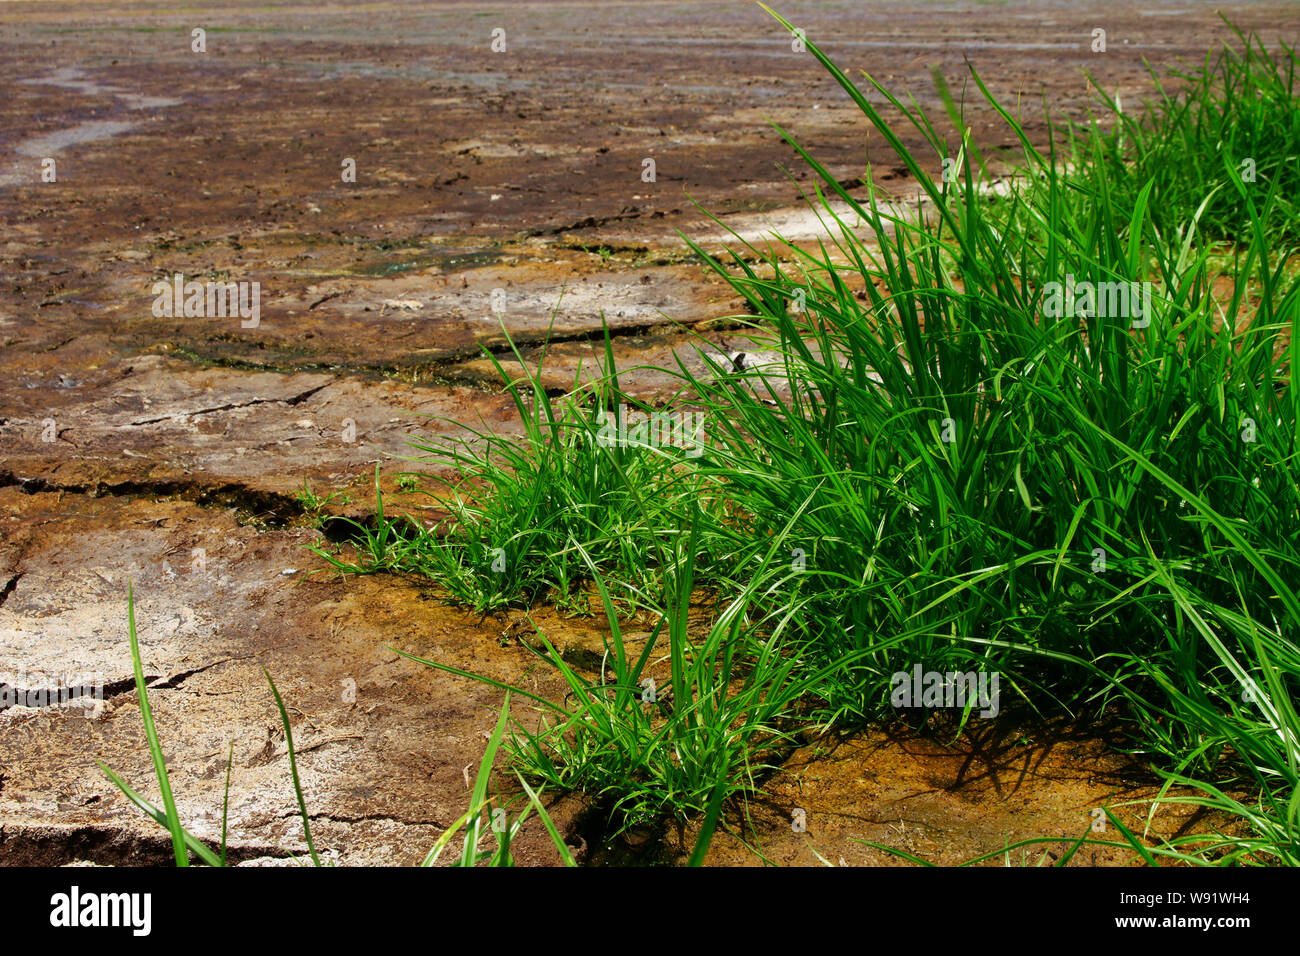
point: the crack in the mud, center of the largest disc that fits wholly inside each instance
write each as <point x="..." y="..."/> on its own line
<point x="175" y="681"/>
<point x="323" y="299"/>
<point x="365" y="818"/>
<point x="296" y="399"/>
<point x="41" y="698"/>
<point x="26" y="844"/>
<point x="495" y="346"/>
<point x="254" y="505"/>
<point x="47" y="697"/>
<point x="588" y="222"/>
<point x="9" y="587"/>
<point x="58" y="345"/>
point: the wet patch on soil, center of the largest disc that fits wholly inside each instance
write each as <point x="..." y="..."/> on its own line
<point x="948" y="801"/>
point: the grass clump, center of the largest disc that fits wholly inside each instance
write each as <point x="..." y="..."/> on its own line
<point x="1235" y="117"/>
<point x="527" y="513"/>
<point x="677" y="725"/>
<point x="1093" y="492"/>
<point x="987" y="463"/>
<point x="1051" y="433"/>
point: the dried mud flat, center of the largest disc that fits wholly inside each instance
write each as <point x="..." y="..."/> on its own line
<point x="132" y="443"/>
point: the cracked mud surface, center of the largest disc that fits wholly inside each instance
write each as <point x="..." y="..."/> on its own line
<point x="134" y="443"/>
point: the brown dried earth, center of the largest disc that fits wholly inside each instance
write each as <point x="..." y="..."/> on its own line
<point x="174" y="448"/>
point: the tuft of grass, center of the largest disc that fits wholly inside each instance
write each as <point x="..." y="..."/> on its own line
<point x="1234" y="117"/>
<point x="1102" y="504"/>
<point x="527" y="512"/>
<point x="498" y="822"/>
<point x="651" y="741"/>
<point x="314" y="504"/>
<point x="168" y="817"/>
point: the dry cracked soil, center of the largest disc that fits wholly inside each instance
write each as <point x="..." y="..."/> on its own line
<point x="494" y="192"/>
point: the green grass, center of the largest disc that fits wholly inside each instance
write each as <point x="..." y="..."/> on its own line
<point x="526" y="514"/>
<point x="482" y="816"/>
<point x="942" y="466"/>
<point x="185" y="843"/>
<point x="1234" y="116"/>
<point x="314" y="505"/>
<point x="682" y="724"/>
<point x="962" y="458"/>
<point x="945" y="466"/>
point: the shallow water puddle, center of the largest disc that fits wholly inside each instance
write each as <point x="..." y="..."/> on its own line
<point x="87" y="132"/>
<point x="90" y="131"/>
